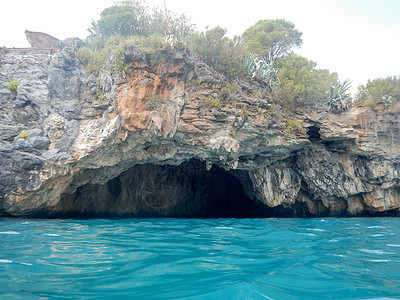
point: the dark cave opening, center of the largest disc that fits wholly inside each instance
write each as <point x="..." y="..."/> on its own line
<point x="313" y="133"/>
<point x="148" y="190"/>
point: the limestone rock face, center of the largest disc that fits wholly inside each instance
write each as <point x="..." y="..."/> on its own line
<point x="178" y="139"/>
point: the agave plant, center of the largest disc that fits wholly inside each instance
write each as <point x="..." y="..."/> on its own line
<point x="339" y="98"/>
<point x="388" y="100"/>
<point x="262" y="70"/>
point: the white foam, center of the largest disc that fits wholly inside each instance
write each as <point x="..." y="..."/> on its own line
<point x="6" y="261"/>
<point x="9" y="232"/>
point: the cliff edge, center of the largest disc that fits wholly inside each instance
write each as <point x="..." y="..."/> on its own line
<point x="175" y="138"/>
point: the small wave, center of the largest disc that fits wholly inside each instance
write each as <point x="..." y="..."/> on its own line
<point x="6" y="261"/>
<point x="376" y="227"/>
<point x="51" y="234"/>
<point x="376" y="251"/>
<point x="393" y="245"/>
<point x="9" y="232"/>
<point x="380" y="260"/>
<point x="222" y="227"/>
<point x="315" y="229"/>
<point x="26" y="264"/>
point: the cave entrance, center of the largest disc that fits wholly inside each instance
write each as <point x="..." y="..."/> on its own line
<point x="187" y="190"/>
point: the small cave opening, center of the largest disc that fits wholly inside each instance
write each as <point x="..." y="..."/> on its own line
<point x="148" y="190"/>
<point x="313" y="133"/>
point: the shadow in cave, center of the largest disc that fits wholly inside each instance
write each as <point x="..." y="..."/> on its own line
<point x="187" y="190"/>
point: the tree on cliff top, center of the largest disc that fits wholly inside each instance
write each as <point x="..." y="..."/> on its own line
<point x="301" y="83"/>
<point x="271" y="39"/>
<point x="385" y="90"/>
<point x="132" y="18"/>
<point x="219" y="51"/>
<point x="124" y="18"/>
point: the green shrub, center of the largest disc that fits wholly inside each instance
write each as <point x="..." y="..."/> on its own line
<point x="194" y="84"/>
<point x="292" y="125"/>
<point x="234" y="135"/>
<point x="300" y="83"/>
<point x="210" y="101"/>
<point x="121" y="65"/>
<point x="99" y="90"/>
<point x="23" y="134"/>
<point x="13" y="85"/>
<point x="386" y="90"/>
<point x="84" y="55"/>
<point x="230" y="88"/>
<point x="222" y="53"/>
<point x="154" y="102"/>
<point x="272" y="109"/>
<point x="133" y="17"/>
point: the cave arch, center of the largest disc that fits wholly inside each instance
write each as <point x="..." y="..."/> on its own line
<point x="148" y="190"/>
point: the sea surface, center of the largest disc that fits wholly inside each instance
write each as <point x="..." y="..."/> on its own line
<point x="200" y="258"/>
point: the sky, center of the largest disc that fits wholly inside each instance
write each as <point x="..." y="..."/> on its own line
<point x="358" y="39"/>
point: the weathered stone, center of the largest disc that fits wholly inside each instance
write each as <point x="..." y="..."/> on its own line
<point x="155" y="146"/>
<point x="41" y="40"/>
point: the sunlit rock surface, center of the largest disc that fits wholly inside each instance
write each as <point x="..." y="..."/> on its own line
<point x="155" y="145"/>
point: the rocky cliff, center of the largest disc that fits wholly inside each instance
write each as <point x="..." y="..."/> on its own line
<point x="178" y="139"/>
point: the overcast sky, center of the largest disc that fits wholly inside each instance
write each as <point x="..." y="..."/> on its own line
<point x="358" y="39"/>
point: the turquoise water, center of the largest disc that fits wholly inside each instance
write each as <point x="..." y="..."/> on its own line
<point x="200" y="259"/>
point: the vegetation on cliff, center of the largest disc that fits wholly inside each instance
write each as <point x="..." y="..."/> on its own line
<point x="379" y="91"/>
<point x="262" y="54"/>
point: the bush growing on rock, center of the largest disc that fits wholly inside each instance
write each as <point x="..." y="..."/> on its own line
<point x="23" y="134"/>
<point x="212" y="102"/>
<point x="155" y="102"/>
<point x="301" y="83"/>
<point x="218" y="51"/>
<point x="129" y="18"/>
<point x="13" y="85"/>
<point x="275" y="72"/>
<point x="380" y="90"/>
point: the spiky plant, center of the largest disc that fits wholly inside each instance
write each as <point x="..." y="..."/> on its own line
<point x="339" y="98"/>
<point x="387" y="100"/>
<point x="262" y="70"/>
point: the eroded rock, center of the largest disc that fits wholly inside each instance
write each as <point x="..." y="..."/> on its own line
<point x="159" y="145"/>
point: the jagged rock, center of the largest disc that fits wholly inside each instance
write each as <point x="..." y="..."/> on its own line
<point x="157" y="146"/>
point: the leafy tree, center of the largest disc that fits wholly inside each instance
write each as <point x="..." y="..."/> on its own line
<point x="301" y="83"/>
<point x="128" y="18"/>
<point x="385" y="90"/>
<point x="221" y="52"/>
<point x="271" y="39"/>
<point x="165" y="23"/>
<point x="124" y="18"/>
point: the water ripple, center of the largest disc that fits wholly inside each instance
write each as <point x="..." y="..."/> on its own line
<point x="200" y="259"/>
